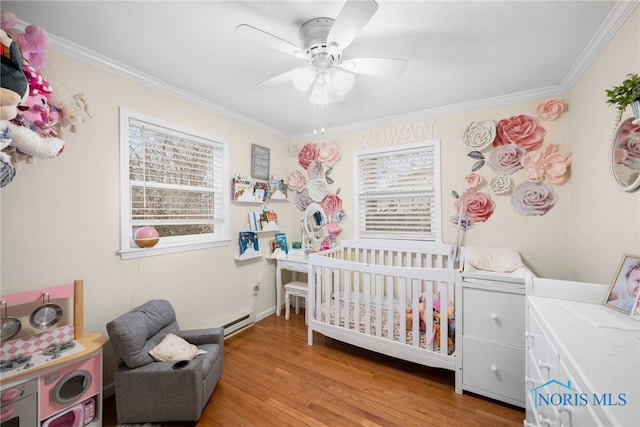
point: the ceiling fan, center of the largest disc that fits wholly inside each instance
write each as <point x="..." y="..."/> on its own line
<point x="329" y="76"/>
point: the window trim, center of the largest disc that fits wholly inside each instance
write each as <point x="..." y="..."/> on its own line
<point x="437" y="174"/>
<point x="186" y="244"/>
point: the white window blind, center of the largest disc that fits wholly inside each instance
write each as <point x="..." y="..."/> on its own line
<point x="175" y="182"/>
<point x="399" y="192"/>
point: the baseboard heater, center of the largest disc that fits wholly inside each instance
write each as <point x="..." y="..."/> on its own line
<point x="238" y="324"/>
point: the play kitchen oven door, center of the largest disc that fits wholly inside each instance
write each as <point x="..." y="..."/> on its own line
<point x="63" y="389"/>
<point x="19" y="405"/>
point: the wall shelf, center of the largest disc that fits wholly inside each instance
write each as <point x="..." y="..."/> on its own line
<point x="248" y="255"/>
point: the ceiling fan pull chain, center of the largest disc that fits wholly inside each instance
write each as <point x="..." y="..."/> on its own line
<point x="315" y="121"/>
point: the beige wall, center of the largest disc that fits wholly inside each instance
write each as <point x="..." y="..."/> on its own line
<point x="530" y="235"/>
<point x="604" y="221"/>
<point x="60" y="218"/>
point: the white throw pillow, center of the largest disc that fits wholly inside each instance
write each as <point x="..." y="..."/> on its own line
<point x="503" y="260"/>
<point x="173" y="348"/>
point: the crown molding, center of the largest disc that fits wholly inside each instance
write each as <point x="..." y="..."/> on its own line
<point x="513" y="98"/>
<point x="79" y="52"/>
<point x="612" y="23"/>
<point x="616" y="18"/>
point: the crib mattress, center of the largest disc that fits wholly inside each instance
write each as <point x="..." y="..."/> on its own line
<point x="425" y="341"/>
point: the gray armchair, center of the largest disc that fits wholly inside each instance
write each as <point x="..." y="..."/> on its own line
<point x="150" y="391"/>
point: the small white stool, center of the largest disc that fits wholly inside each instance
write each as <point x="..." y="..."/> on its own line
<point x="296" y="289"/>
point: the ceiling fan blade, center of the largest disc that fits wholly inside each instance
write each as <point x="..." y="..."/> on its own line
<point x="352" y="18"/>
<point x="375" y="66"/>
<point x="270" y="40"/>
<point x="277" y="80"/>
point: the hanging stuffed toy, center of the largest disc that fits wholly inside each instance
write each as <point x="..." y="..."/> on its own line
<point x="26" y="142"/>
<point x="33" y="42"/>
<point x="14" y="85"/>
<point x="14" y="89"/>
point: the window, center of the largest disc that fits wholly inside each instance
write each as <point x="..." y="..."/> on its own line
<point x="173" y="179"/>
<point x="398" y="192"/>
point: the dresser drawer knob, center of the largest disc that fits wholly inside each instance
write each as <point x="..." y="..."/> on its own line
<point x="543" y="365"/>
<point x="494" y="368"/>
<point x="545" y="421"/>
<point x="494" y="316"/>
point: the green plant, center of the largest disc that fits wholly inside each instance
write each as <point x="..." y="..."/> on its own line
<point x="626" y="93"/>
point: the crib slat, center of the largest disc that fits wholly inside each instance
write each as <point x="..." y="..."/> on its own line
<point x="356" y="299"/>
<point x="346" y="291"/>
<point x="428" y="306"/>
<point x="367" y="303"/>
<point x="378" y="304"/>
<point x="389" y="306"/>
<point x="444" y="318"/>
<point x="415" y="308"/>
<point x="402" y="312"/>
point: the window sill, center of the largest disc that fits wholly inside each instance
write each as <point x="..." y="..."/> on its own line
<point x="133" y="253"/>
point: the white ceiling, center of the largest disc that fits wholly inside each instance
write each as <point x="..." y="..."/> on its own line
<point x="461" y="53"/>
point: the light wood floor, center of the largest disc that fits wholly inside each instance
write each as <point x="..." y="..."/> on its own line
<point x="272" y="378"/>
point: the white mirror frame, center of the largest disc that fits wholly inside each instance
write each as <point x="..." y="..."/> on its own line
<point x="613" y="164"/>
<point x="306" y="227"/>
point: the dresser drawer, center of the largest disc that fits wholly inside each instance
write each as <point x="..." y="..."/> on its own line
<point x="494" y="367"/>
<point x="543" y="354"/>
<point x="575" y="415"/>
<point x="492" y="315"/>
<point x="541" y="417"/>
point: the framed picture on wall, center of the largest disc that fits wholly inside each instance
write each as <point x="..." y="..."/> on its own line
<point x="625" y="288"/>
<point x="260" y="158"/>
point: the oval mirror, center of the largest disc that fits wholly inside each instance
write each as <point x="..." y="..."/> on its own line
<point x="314" y="221"/>
<point x="625" y="154"/>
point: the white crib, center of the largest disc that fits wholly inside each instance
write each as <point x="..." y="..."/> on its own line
<point x="361" y="293"/>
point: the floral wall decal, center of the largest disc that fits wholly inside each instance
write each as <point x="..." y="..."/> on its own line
<point x="318" y="162"/>
<point x="479" y="135"/>
<point x="550" y="110"/>
<point x="547" y="165"/>
<point x="523" y="131"/>
<point x="533" y="198"/>
<point x="513" y="144"/>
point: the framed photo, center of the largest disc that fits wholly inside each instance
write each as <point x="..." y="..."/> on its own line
<point x="624" y="291"/>
<point x="260" y="157"/>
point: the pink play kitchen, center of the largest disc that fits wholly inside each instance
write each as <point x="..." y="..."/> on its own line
<point x="50" y="370"/>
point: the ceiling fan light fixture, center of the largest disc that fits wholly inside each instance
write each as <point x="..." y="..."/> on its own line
<point x="303" y="78"/>
<point x="319" y="95"/>
<point x="342" y="81"/>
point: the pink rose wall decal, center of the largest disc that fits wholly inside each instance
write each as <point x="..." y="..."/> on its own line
<point x="550" y="110"/>
<point x="521" y="130"/>
<point x="518" y="150"/>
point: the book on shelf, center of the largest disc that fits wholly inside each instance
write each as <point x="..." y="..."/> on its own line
<point x="241" y="188"/>
<point x="254" y="221"/>
<point x="263" y="220"/>
<point x="281" y="239"/>
<point x="261" y="191"/>
<point x="277" y="188"/>
<point x="248" y="242"/>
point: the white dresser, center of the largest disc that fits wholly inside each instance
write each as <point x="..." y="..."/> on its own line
<point x="583" y="359"/>
<point x="490" y="341"/>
